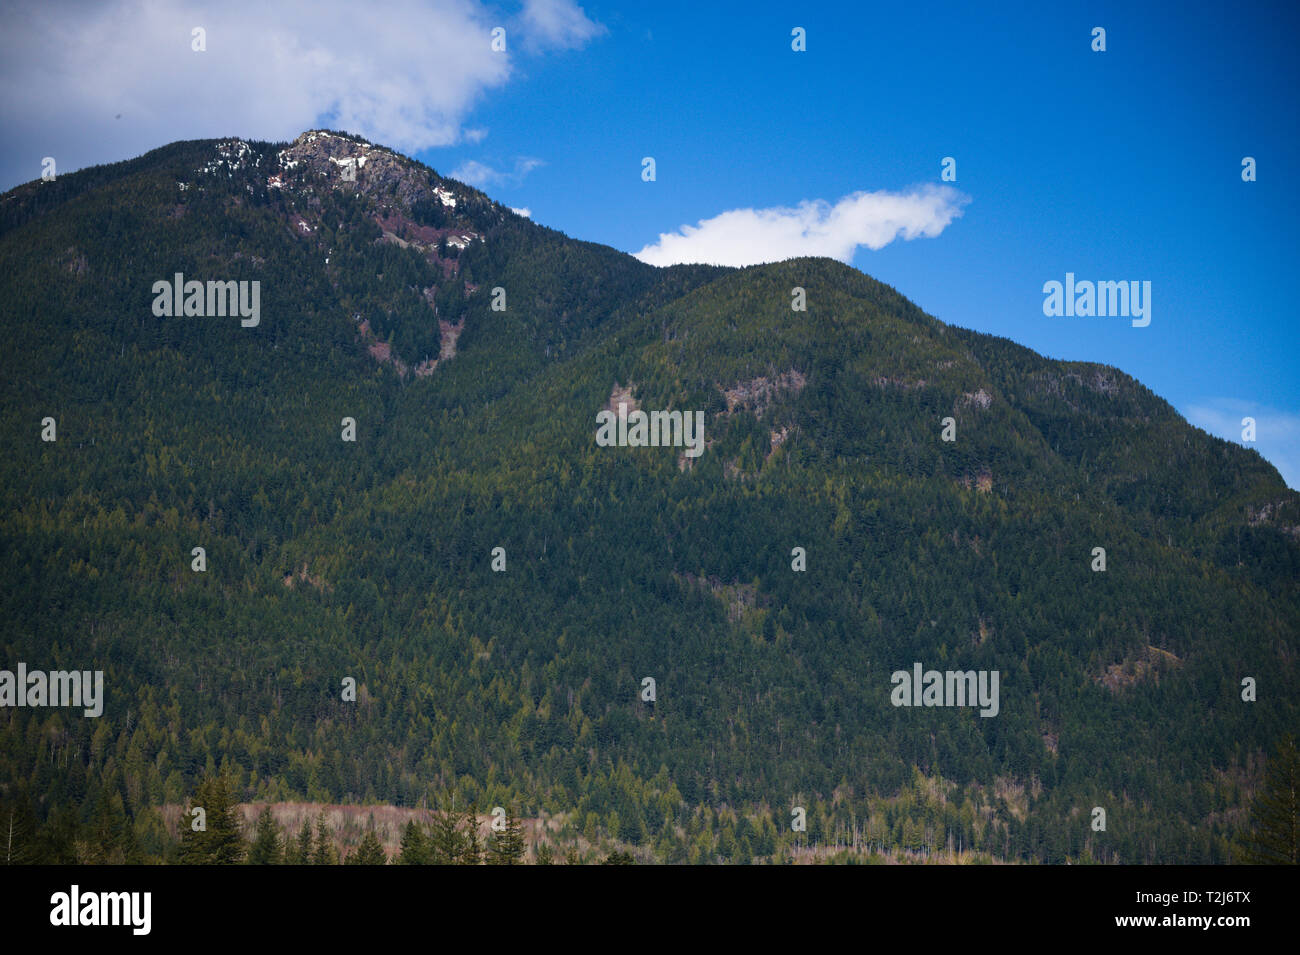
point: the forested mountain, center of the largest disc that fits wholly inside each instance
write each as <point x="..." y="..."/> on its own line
<point x="826" y="536"/>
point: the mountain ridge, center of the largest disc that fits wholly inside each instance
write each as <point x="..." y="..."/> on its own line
<point x="374" y="558"/>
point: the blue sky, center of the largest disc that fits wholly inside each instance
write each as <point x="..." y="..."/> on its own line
<point x="1115" y="165"/>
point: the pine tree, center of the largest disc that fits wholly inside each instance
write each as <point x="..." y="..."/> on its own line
<point x="444" y="839"/>
<point x="267" y="848"/>
<point x="545" y="854"/>
<point x="414" y="848"/>
<point x="370" y="852"/>
<point x="325" y="853"/>
<point x="1276" y="811"/>
<point x="110" y="835"/>
<point x="18" y="829"/>
<point x="301" y="853"/>
<point x="507" y="847"/>
<point x="221" y="842"/>
<point x="471" y="849"/>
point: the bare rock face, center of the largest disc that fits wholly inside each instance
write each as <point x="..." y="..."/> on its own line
<point x="757" y="393"/>
<point x="621" y="395"/>
<point x="348" y="163"/>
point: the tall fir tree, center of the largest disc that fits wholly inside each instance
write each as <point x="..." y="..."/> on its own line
<point x="110" y="839"/>
<point x="1275" y="815"/>
<point x="507" y="847"/>
<point x="267" y="847"/>
<point x="369" y="852"/>
<point x="300" y="853"/>
<point x="471" y="848"/>
<point x="325" y="853"/>
<point x="414" y="848"/>
<point x="18" y="829"/>
<point x="445" y="838"/>
<point x="221" y="841"/>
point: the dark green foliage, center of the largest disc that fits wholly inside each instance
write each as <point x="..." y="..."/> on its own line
<point x="268" y="847"/>
<point x="1275" y="816"/>
<point x="414" y="849"/>
<point x="220" y="841"/>
<point x="19" y="826"/>
<point x="369" y="852"/>
<point x="470" y="851"/>
<point x="507" y="847"/>
<point x="301" y="852"/>
<point x="325" y="852"/>
<point x="445" y="839"/>
<point x="371" y="559"/>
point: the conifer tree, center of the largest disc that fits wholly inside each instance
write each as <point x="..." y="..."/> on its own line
<point x="301" y="854"/>
<point x="1275" y="815"/>
<point x="507" y="847"/>
<point x="444" y="838"/>
<point x="267" y="847"/>
<point x="471" y="848"/>
<point x="18" y="829"/>
<point x="221" y="841"/>
<point x="110" y="839"/>
<point x="325" y="853"/>
<point x="414" y="848"/>
<point x="370" y="852"/>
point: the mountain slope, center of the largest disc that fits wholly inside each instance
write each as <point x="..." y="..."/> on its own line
<point x="475" y="429"/>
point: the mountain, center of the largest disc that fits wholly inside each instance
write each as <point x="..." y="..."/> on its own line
<point x="772" y="580"/>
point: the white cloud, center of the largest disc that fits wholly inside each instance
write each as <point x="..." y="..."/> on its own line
<point x="474" y="173"/>
<point x="814" y="227"/>
<point x="405" y="74"/>
<point x="556" y="24"/>
<point x="1277" y="433"/>
<point x="526" y="213"/>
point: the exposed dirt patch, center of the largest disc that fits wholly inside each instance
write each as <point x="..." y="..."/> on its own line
<point x="981" y="481"/>
<point x="1149" y="664"/>
<point x="450" y="335"/>
<point x="778" y="438"/>
<point x="621" y="395"/>
<point x="381" y="352"/>
<point x="756" y="394"/>
<point x="410" y="231"/>
<point x="291" y="580"/>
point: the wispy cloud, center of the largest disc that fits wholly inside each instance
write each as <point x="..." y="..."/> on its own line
<point x="814" y="227"/>
<point x="1277" y="433"/>
<point x="556" y="24"/>
<point x="481" y="175"/>
<point x="405" y="74"/>
<point x="525" y="212"/>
